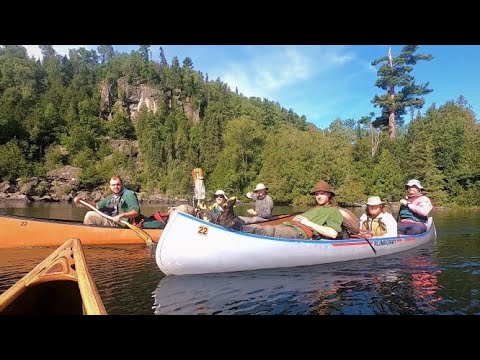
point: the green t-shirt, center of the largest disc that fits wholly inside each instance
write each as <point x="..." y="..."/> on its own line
<point x="324" y="216"/>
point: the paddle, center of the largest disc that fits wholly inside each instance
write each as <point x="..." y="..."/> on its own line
<point x="369" y="243"/>
<point x="364" y="238"/>
<point x="142" y="234"/>
<point x="197" y="177"/>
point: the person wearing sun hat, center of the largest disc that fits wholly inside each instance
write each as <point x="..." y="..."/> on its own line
<point x="220" y="200"/>
<point x="376" y="221"/>
<point x="414" y="209"/>
<point x="322" y="221"/>
<point x="263" y="205"/>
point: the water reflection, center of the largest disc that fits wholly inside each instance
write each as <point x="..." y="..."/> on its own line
<point x="441" y="277"/>
<point x="124" y="274"/>
<point x="390" y="285"/>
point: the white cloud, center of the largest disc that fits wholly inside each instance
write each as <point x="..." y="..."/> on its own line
<point x="267" y="70"/>
<point x="34" y="50"/>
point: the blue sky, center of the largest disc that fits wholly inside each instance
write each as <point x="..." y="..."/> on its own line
<point x="322" y="82"/>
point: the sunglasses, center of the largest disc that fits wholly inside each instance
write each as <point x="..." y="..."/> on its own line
<point x="218" y="196"/>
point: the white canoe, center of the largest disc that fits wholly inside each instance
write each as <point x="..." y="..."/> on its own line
<point x="192" y="246"/>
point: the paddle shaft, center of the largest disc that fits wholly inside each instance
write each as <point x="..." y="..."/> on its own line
<point x="199" y="185"/>
<point x="142" y="234"/>
<point x="369" y="243"/>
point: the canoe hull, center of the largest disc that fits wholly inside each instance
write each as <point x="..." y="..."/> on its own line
<point x="191" y="246"/>
<point x="60" y="285"/>
<point x="18" y="231"/>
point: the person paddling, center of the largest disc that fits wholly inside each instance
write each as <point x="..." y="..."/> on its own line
<point x="121" y="203"/>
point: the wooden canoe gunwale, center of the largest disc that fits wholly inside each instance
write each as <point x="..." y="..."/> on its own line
<point x="61" y="284"/>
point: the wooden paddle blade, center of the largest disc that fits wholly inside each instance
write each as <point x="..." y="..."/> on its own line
<point x="197" y="177"/>
<point x="148" y="240"/>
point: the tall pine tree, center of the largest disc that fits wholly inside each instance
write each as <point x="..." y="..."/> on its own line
<point x="395" y="73"/>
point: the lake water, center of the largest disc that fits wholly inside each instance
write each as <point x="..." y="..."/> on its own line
<point x="441" y="277"/>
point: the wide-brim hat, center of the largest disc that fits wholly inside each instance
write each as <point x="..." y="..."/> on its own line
<point x="221" y="192"/>
<point x="322" y="186"/>
<point x="414" y="182"/>
<point x="374" y="200"/>
<point x="260" y="186"/>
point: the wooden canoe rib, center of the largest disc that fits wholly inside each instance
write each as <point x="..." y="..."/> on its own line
<point x="60" y="285"/>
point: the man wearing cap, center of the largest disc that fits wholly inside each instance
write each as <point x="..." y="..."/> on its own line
<point x="220" y="200"/>
<point x="323" y="221"/>
<point x="263" y="205"/>
<point x="377" y="221"/>
<point x="414" y="209"/>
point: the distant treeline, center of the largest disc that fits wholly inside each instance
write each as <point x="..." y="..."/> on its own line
<point x="53" y="113"/>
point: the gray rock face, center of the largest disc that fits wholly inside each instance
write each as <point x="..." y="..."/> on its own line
<point x="133" y="97"/>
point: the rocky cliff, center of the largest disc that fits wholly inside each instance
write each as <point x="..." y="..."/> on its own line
<point x="132" y="98"/>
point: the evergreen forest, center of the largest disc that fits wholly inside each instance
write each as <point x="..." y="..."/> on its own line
<point x="69" y="110"/>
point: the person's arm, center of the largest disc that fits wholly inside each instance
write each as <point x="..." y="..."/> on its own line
<point x="253" y="196"/>
<point x="133" y="207"/>
<point x="363" y="232"/>
<point x="129" y="215"/>
<point x="326" y="231"/>
<point x="422" y="207"/>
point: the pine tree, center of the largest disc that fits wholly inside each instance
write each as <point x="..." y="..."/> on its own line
<point x="395" y="72"/>
<point x="106" y="52"/>
<point x="144" y="52"/>
<point x="188" y="63"/>
<point x="163" y="59"/>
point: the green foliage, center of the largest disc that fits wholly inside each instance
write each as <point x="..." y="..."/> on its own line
<point x="56" y="156"/>
<point x="292" y="169"/>
<point x="177" y="181"/>
<point x="12" y="163"/>
<point x="150" y="132"/>
<point x="90" y="178"/>
<point x="84" y="158"/>
<point x="53" y="112"/>
<point x="106" y="52"/>
<point x="387" y="178"/>
<point x="239" y="161"/>
<point x="351" y="192"/>
<point x="120" y="127"/>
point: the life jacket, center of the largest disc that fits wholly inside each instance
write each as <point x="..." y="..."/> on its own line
<point x="376" y="226"/>
<point x="406" y="213"/>
<point x="157" y="221"/>
<point x="161" y="216"/>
